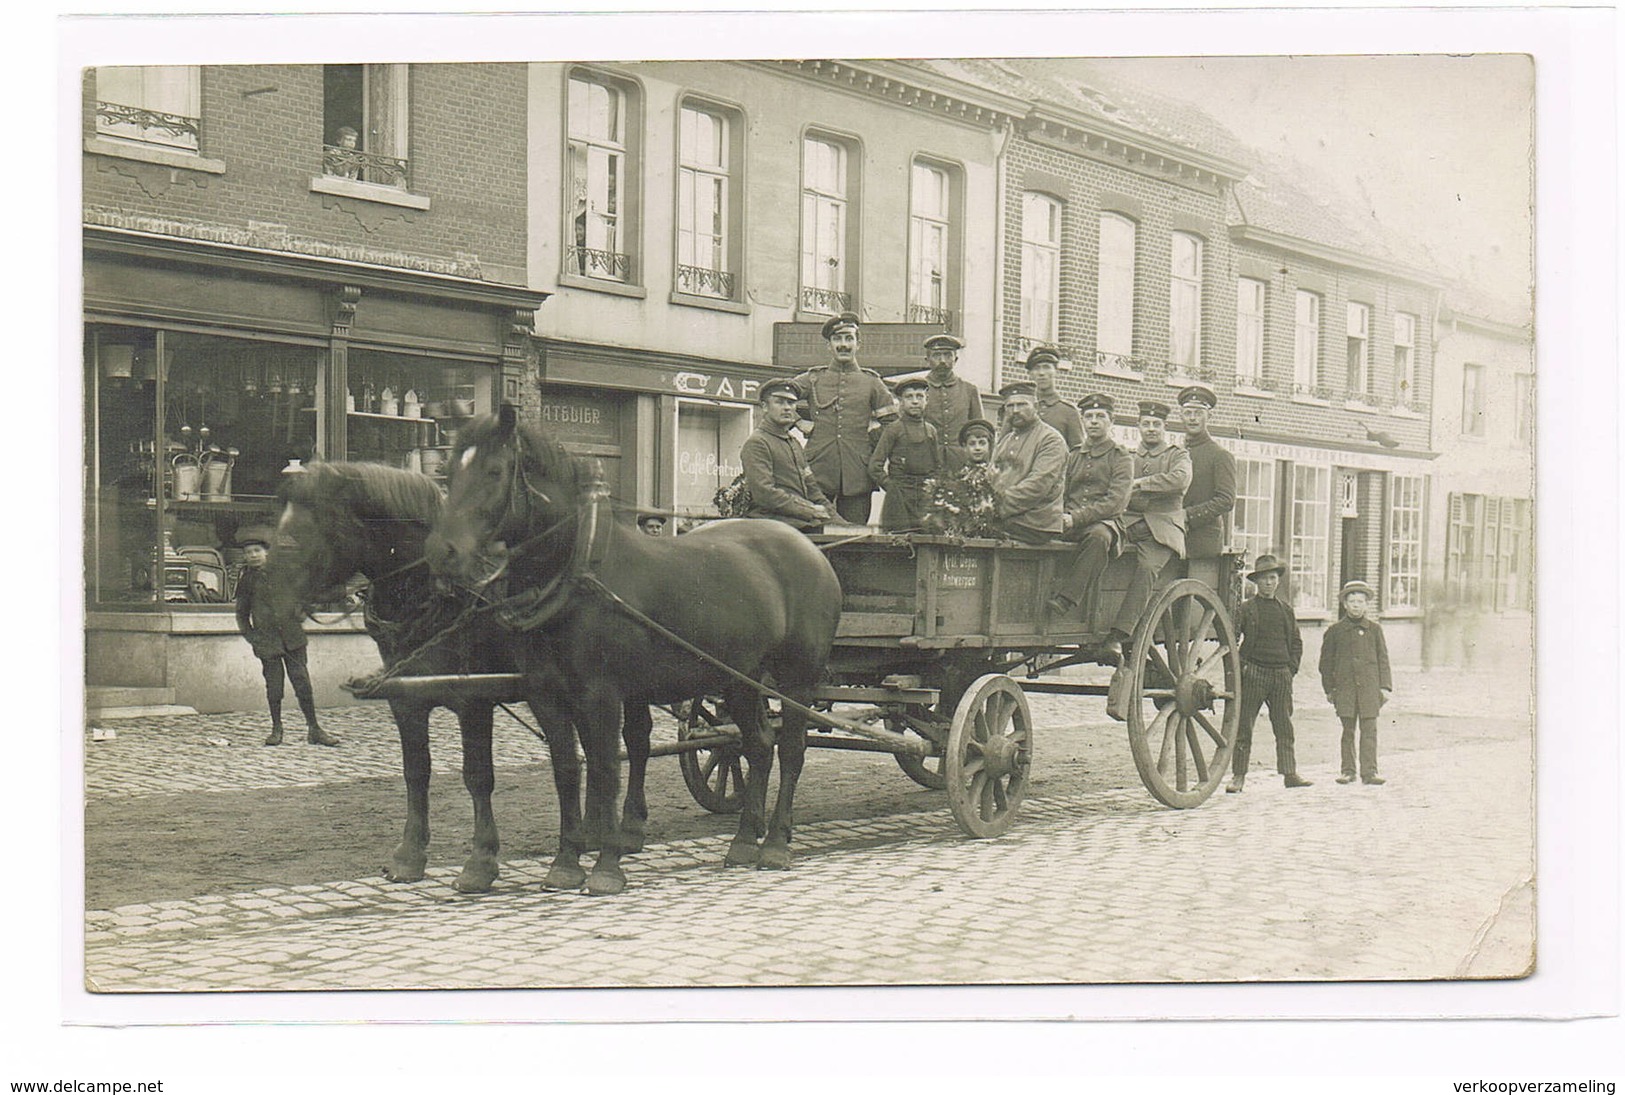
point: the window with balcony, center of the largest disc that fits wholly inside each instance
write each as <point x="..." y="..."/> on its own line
<point x="1472" y="400"/>
<point x="1185" y="305"/>
<point x="1114" y="292"/>
<point x="1404" y="360"/>
<point x="152" y="104"/>
<point x="1359" y="352"/>
<point x="1306" y="345"/>
<point x="364" y="123"/>
<point x="826" y="221"/>
<point x="932" y="244"/>
<point x="1405" y="522"/>
<point x="706" y="197"/>
<point x="1311" y="532"/>
<point x="599" y="232"/>
<point x="1040" y="268"/>
<point x="1250" y="332"/>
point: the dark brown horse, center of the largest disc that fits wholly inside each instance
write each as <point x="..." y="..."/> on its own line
<point x="755" y="595"/>
<point x="343" y="519"/>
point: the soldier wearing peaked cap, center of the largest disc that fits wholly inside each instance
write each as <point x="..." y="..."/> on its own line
<point x="1211" y="495"/>
<point x="1098" y="474"/>
<point x="950" y="401"/>
<point x="1029" y="462"/>
<point x="1052" y="406"/>
<point x="777" y="476"/>
<point x="844" y="404"/>
<point x="1154" y="521"/>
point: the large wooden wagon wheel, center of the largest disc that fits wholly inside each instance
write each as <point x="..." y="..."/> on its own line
<point x="715" y="776"/>
<point x="1184" y="694"/>
<point x="990" y="756"/>
<point x="949" y="679"/>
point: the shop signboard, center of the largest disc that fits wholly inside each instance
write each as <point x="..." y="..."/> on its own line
<point x="584" y="418"/>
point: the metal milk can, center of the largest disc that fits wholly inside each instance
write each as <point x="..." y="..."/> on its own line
<point x="187" y="474"/>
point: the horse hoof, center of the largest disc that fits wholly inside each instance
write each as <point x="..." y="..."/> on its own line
<point x="605" y="883"/>
<point x="742" y="854"/>
<point x="774" y="858"/>
<point x="406" y="868"/>
<point x="631" y="840"/>
<point x="564" y="879"/>
<point x="477" y="876"/>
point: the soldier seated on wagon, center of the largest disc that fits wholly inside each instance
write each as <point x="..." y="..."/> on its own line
<point x="1099" y="475"/>
<point x="780" y="483"/>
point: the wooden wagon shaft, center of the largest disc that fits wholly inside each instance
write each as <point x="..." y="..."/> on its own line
<point x="1063" y="688"/>
<point x="500" y="687"/>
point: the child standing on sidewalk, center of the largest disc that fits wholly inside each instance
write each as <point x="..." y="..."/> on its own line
<point x="1271" y="649"/>
<point x="1354" y="671"/>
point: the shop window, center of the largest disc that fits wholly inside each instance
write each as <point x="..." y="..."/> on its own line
<point x="933" y="244"/>
<point x="1040" y="269"/>
<point x="600" y="226"/>
<point x="1461" y="551"/>
<point x="1114" y="293"/>
<point x="405" y="411"/>
<point x="827" y="221"/>
<point x="707" y="193"/>
<point x="1250" y="332"/>
<point x="364" y="123"/>
<point x="1359" y="351"/>
<point x="1311" y="525"/>
<point x="1185" y="305"/>
<point x="709" y="437"/>
<point x="1306" y="344"/>
<point x="152" y="104"/>
<point x="1404" y="359"/>
<point x="1252" y="522"/>
<point x="1405" y="522"/>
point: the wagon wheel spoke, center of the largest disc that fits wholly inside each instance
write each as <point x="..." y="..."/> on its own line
<point x="1197" y="757"/>
<point x="736" y="769"/>
<point x="1170" y="639"/>
<point x="1177" y="725"/>
<point x="712" y="759"/>
<point x="985" y="802"/>
<point x="1156" y="658"/>
<point x="978" y="792"/>
<point x="974" y="768"/>
<point x="1001" y="801"/>
<point x="1163" y="718"/>
<point x="1206" y="621"/>
<point x="1218" y="738"/>
<point x="1207" y="659"/>
<point x="1158" y="693"/>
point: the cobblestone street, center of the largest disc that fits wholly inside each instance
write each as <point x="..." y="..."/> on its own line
<point x="1426" y="877"/>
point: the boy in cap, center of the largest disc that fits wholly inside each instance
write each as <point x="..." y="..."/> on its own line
<point x="962" y="504"/>
<point x="1052" y="407"/>
<point x="908" y="453"/>
<point x="843" y="399"/>
<point x="1355" y="674"/>
<point x="777" y="476"/>
<point x="1029" y="461"/>
<point x="950" y="400"/>
<point x="1098" y="478"/>
<point x="1271" y="649"/>
<point x="277" y="635"/>
<point x="1154" y="520"/>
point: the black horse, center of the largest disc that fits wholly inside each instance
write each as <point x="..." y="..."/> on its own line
<point x="754" y="595"/>
<point x="343" y="519"/>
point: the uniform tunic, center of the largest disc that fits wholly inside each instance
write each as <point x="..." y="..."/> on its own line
<point x="1158" y="498"/>
<point x="841" y="402"/>
<point x="781" y="484"/>
<point x="1098" y="478"/>
<point x="1063" y="417"/>
<point x="1209" y="498"/>
<point x="951" y="403"/>
<point x="1030" y="470"/>
<point x="1354" y="667"/>
<point x="909" y="452"/>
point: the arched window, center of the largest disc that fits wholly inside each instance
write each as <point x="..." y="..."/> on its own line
<point x="1114" y="307"/>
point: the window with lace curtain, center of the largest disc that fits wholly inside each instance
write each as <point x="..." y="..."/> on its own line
<point x="152" y="104"/>
<point x="826" y="193"/>
<point x="1114" y="290"/>
<point x="1185" y="305"/>
<point x="706" y="193"/>
<point x="598" y="232"/>
<point x="1040" y="268"/>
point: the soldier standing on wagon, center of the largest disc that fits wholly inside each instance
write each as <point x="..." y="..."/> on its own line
<point x="1212" y="492"/>
<point x="843" y="399"/>
<point x="778" y="479"/>
<point x="950" y="399"/>
<point x="1052" y="406"/>
<point x="1154" y="522"/>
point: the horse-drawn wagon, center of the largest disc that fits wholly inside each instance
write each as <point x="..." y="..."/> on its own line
<point x="941" y="640"/>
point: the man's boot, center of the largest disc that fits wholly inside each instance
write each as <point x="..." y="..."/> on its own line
<point x="1236" y="783"/>
<point x="275" y="736"/>
<point x="318" y="736"/>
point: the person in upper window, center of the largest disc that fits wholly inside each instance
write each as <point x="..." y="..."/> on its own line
<point x="1098" y="478"/>
<point x="1052" y="406"/>
<point x="908" y="453"/>
<point x="1029" y="469"/>
<point x="778" y="478"/>
<point x="1154" y="521"/>
<point x="950" y="400"/>
<point x="844" y="403"/>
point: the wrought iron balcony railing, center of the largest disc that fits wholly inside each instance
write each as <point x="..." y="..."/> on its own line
<point x="826" y="301"/>
<point x="1255" y="383"/>
<point x="176" y="129"/>
<point x="1204" y="373"/>
<point x="591" y="263"/>
<point x="1118" y="362"/>
<point x="352" y="163"/>
<point x="706" y="283"/>
<point x="925" y="313"/>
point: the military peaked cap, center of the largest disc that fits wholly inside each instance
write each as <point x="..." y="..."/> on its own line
<point x="789" y="387"/>
<point x="835" y="323"/>
<point x="1019" y="387"/>
<point x="1097" y="401"/>
<point x="943" y="341"/>
<point x="1150" y="408"/>
<point x="1042" y="355"/>
<point x="1200" y="394"/>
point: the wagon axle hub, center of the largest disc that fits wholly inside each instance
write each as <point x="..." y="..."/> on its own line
<point x="1193" y="694"/>
<point x="999" y="755"/>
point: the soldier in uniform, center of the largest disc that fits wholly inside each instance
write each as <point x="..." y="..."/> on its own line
<point x="843" y="399"/>
<point x="781" y="484"/>
<point x="1212" y="493"/>
<point x="277" y="635"/>
<point x="908" y="453"/>
<point x="1052" y="407"/>
<point x="1029" y="468"/>
<point x="1098" y="478"/>
<point x="1154" y="523"/>
<point x="950" y="400"/>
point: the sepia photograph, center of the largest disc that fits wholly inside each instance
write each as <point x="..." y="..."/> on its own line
<point x="1039" y="518"/>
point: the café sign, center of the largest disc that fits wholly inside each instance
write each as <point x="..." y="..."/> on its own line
<point x="698" y="385"/>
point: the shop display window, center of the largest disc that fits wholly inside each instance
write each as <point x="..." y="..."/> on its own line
<point x="405" y="411"/>
<point x="709" y="437"/>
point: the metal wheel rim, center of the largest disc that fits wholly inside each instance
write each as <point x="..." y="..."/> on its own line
<point x="709" y="773"/>
<point x="989" y="760"/>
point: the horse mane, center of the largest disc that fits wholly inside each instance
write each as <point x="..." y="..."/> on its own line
<point x="371" y="491"/>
